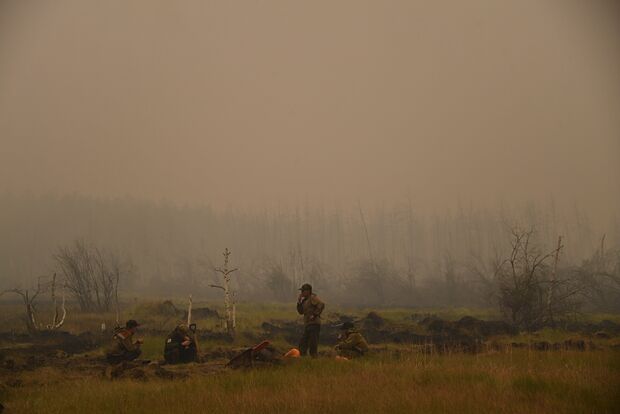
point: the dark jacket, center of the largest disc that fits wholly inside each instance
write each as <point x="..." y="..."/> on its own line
<point x="174" y="351"/>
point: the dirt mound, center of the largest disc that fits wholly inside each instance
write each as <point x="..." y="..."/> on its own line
<point x="568" y="345"/>
<point x="611" y="328"/>
<point x="203" y="313"/>
<point x="435" y="324"/>
<point x="478" y="327"/>
<point x="46" y="342"/>
<point x="214" y="353"/>
<point x="289" y="331"/>
<point x="165" y="309"/>
<point x="140" y="371"/>
<point x="442" y="336"/>
<point x="468" y="326"/>
<point x="215" y="335"/>
<point x="338" y="318"/>
<point x="249" y="358"/>
<point x="466" y="334"/>
<point x="27" y="353"/>
<point x="373" y="321"/>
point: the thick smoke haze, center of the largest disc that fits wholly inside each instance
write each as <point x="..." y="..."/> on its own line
<point x="410" y="190"/>
<point x="258" y="104"/>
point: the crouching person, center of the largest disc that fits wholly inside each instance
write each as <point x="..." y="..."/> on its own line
<point x="123" y="347"/>
<point x="351" y="343"/>
<point x="181" y="346"/>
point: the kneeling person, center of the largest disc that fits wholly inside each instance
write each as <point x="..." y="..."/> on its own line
<point x="123" y="347"/>
<point x="180" y="346"/>
<point x="351" y="343"/>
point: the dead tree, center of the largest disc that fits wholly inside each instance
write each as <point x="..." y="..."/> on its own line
<point x="531" y="293"/>
<point x="449" y="273"/>
<point x="77" y="265"/>
<point x="600" y="275"/>
<point x="229" y="297"/>
<point x="375" y="274"/>
<point x="485" y="273"/>
<point x="57" y="320"/>
<point x="116" y="305"/>
<point x="92" y="275"/>
<point x="410" y="249"/>
<point x="365" y="227"/>
<point x="189" y="311"/>
<point x="553" y="281"/>
<point x="278" y="281"/>
<point x="191" y="327"/>
<point x="29" y="298"/>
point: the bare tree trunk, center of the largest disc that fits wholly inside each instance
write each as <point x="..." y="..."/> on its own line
<point x="54" y="304"/>
<point x="234" y="311"/>
<point x="30" y="312"/>
<point x="372" y="260"/>
<point x="410" y="263"/>
<point x="29" y="301"/>
<point x="64" y="311"/>
<point x="118" y="312"/>
<point x="554" y="277"/>
<point x="228" y="303"/>
<point x="189" y="311"/>
<point x="92" y="275"/>
<point x="57" y="321"/>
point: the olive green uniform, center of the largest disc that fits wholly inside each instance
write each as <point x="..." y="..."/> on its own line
<point x="311" y="307"/>
<point x="352" y="344"/>
<point x="123" y="347"/>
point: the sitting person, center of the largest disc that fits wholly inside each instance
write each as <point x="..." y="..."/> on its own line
<point x="351" y="343"/>
<point x="123" y="347"/>
<point x="180" y="346"/>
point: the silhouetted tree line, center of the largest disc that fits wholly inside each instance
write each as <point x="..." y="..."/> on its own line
<point x="384" y="256"/>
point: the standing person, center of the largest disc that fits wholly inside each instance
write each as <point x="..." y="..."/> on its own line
<point x="124" y="348"/>
<point x="309" y="305"/>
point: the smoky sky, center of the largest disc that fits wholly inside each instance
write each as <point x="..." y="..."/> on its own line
<point x="257" y="103"/>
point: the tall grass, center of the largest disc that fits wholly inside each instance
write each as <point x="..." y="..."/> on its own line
<point x="515" y="382"/>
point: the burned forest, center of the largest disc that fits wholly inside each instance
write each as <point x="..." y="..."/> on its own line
<point x="319" y="206"/>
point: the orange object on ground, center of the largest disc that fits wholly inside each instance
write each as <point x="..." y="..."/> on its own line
<point x="341" y="358"/>
<point x="292" y="353"/>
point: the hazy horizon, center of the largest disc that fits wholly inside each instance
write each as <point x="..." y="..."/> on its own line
<point x="256" y="105"/>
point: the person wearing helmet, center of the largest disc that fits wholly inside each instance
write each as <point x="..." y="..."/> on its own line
<point x="351" y="343"/>
<point x="310" y="306"/>
<point x="180" y="346"/>
<point x="123" y="347"/>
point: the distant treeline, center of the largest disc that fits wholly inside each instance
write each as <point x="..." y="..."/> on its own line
<point x="390" y="255"/>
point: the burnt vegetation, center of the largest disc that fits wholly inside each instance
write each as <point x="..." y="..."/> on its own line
<point x="92" y="274"/>
<point x="382" y="257"/>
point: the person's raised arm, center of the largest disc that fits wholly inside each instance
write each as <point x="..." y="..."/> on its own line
<point x="300" y="304"/>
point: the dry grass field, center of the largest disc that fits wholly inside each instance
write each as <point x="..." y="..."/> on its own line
<point x="395" y="378"/>
<point x="516" y="382"/>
